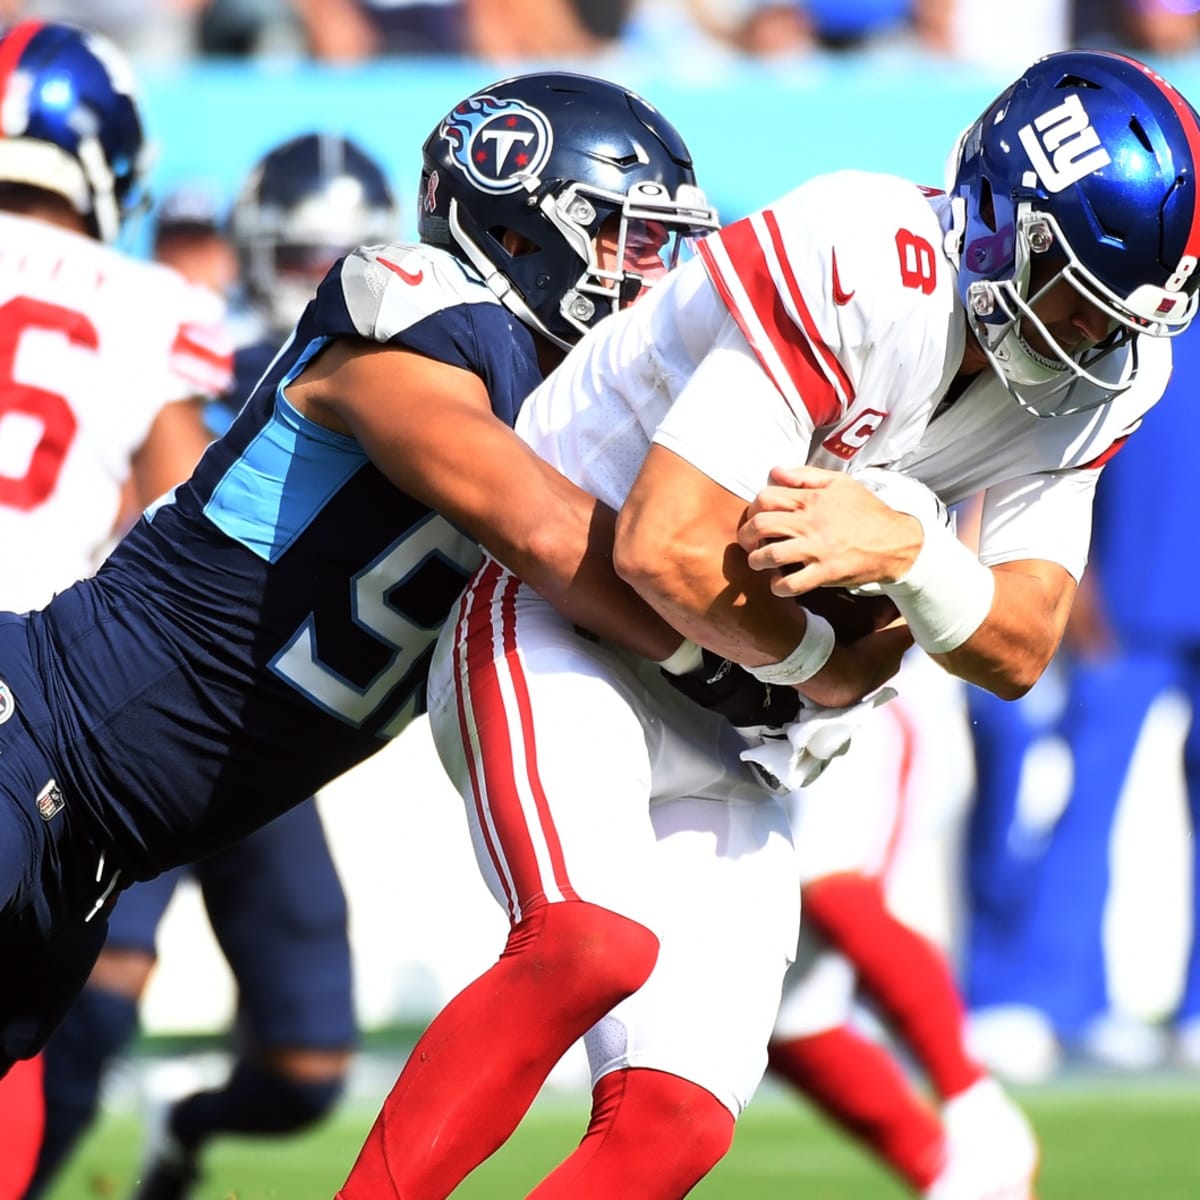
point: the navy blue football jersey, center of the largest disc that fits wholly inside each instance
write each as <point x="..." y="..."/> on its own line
<point x="271" y="623"/>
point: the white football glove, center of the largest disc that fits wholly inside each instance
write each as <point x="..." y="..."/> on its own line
<point x="794" y="756"/>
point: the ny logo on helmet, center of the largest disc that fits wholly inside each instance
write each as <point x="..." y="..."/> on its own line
<point x="1069" y="148"/>
<point x="497" y="143"/>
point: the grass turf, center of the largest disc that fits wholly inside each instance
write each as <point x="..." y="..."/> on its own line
<point x="1136" y="1141"/>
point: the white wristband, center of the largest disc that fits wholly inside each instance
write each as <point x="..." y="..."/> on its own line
<point x="687" y="657"/>
<point x="809" y="656"/>
<point x="947" y="593"/>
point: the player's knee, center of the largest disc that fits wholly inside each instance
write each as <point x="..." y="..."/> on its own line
<point x="692" y="1129"/>
<point x="281" y="1102"/>
<point x="703" y="1124"/>
<point x="598" y="949"/>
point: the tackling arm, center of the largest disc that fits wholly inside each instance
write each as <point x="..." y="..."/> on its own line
<point x="176" y="440"/>
<point x="430" y="429"/>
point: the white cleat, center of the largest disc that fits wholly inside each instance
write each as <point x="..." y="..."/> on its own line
<point x="991" y="1150"/>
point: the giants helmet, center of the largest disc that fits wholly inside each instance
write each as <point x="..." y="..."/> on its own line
<point x="1089" y="159"/>
<point x="551" y="157"/>
<point x="304" y="205"/>
<point x="69" y="121"/>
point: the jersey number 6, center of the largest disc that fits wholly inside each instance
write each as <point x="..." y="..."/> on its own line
<point x="37" y="426"/>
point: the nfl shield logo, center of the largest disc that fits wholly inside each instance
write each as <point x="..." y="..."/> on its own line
<point x="8" y="705"/>
<point x="50" y="800"/>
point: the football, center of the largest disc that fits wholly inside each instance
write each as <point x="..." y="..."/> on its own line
<point x="851" y="616"/>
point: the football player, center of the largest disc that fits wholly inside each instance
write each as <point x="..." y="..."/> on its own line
<point x="270" y="623"/>
<point x="862" y="829"/>
<point x="987" y="338"/>
<point x="104" y="356"/>
<point x="274" y="900"/>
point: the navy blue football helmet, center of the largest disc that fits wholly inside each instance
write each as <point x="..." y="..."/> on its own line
<point x="520" y="178"/>
<point x="70" y="122"/>
<point x="304" y="205"/>
<point x="1086" y="164"/>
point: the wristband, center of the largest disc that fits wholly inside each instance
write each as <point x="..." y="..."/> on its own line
<point x="947" y="593"/>
<point x="809" y="656"/>
<point x="686" y="658"/>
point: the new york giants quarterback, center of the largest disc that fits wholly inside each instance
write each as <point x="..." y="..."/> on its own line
<point x="861" y="321"/>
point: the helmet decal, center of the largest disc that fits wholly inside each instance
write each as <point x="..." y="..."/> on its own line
<point x="1062" y="145"/>
<point x="497" y="142"/>
<point x="429" y="193"/>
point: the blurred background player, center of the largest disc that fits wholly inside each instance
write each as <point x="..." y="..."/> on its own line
<point x="274" y="900"/>
<point x="102" y="356"/>
<point x="886" y="812"/>
<point x="1134" y="637"/>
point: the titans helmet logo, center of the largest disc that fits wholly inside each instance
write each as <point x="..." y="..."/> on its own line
<point x="497" y="142"/>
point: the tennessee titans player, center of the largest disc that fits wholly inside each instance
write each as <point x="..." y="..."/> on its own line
<point x="270" y="623"/>
<point x="274" y="899"/>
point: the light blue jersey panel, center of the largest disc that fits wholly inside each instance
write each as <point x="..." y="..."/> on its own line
<point x="286" y="475"/>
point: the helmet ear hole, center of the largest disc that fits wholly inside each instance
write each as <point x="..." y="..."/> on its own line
<point x="516" y="243"/>
<point x="987" y="207"/>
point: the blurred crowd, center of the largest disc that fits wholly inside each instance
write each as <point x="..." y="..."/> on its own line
<point x="346" y="31"/>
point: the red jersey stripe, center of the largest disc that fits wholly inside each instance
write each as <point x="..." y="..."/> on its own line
<point x="188" y="344"/>
<point x="1103" y="457"/>
<point x="835" y="368"/>
<point x="781" y="348"/>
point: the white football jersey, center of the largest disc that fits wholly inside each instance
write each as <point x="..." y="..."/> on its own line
<point x="93" y="344"/>
<point x="825" y="330"/>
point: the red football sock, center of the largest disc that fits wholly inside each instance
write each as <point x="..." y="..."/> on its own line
<point x="652" y="1135"/>
<point x="905" y="973"/>
<point x="858" y="1084"/>
<point x="22" y="1112"/>
<point x="477" y="1068"/>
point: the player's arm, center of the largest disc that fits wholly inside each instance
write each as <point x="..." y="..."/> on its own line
<point x="677" y="545"/>
<point x="177" y="439"/>
<point x="430" y="429"/>
<point x="997" y="626"/>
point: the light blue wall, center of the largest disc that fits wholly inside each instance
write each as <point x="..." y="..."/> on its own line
<point x="755" y="131"/>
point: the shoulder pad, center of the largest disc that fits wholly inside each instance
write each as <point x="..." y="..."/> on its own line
<point x="391" y="287"/>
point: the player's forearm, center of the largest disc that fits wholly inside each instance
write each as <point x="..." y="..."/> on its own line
<point x="1016" y="641"/>
<point x="704" y="589"/>
<point x="566" y="554"/>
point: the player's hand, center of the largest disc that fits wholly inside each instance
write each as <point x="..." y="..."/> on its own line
<point x="721" y="686"/>
<point x="815" y="528"/>
<point x="856" y="669"/>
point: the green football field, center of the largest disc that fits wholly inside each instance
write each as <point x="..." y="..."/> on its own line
<point x="1102" y="1140"/>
